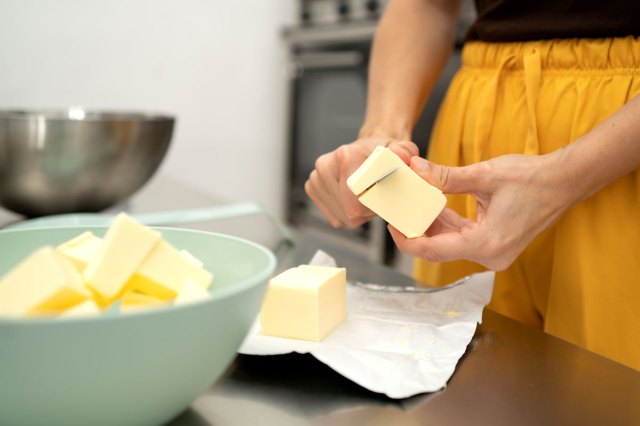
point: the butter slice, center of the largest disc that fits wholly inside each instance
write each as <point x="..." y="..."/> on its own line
<point x="133" y="301"/>
<point x="165" y="271"/>
<point x="84" y="309"/>
<point x="44" y="283"/>
<point x="123" y="249"/>
<point x="306" y="302"/>
<point x="403" y="198"/>
<point x="81" y="249"/>
<point x="192" y="258"/>
<point x="192" y="292"/>
<point x="377" y="164"/>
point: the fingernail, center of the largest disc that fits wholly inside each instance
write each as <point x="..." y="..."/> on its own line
<point x="420" y="164"/>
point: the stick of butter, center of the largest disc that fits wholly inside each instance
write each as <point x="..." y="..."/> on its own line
<point x="192" y="292"/>
<point x="403" y="198"/>
<point x="132" y="301"/>
<point x="43" y="283"/>
<point x="165" y="271"/>
<point x="81" y="249"/>
<point x="123" y="249"/>
<point x="84" y="309"/>
<point x="307" y="302"/>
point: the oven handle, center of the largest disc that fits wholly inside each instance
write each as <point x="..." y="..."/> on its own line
<point x="324" y="60"/>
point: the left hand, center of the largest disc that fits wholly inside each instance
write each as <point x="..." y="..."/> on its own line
<point x="518" y="196"/>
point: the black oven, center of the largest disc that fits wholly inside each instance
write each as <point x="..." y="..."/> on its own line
<point x="328" y="73"/>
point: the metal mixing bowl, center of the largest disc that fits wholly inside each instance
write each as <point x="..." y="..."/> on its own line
<point x="76" y="160"/>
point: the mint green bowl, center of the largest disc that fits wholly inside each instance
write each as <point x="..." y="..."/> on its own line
<point x="131" y="369"/>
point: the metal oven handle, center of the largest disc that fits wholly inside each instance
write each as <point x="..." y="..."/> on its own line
<point x="324" y="60"/>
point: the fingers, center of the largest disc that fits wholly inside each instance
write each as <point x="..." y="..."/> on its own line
<point x="348" y="160"/>
<point x="327" y="188"/>
<point x="404" y="149"/>
<point x="448" y="221"/>
<point x="470" y="244"/>
<point x="316" y="191"/>
<point x="440" y="248"/>
<point x="326" y="185"/>
<point x="451" y="180"/>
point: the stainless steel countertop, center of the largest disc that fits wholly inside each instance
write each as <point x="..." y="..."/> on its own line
<point x="511" y="374"/>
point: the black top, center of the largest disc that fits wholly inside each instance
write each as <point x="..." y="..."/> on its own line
<point x="525" y="20"/>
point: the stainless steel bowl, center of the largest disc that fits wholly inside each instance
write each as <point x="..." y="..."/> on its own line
<point x="77" y="160"/>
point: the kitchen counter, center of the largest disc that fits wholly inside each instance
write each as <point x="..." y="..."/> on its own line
<point x="511" y="374"/>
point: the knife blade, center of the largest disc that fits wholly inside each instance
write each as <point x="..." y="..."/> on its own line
<point x="380" y="179"/>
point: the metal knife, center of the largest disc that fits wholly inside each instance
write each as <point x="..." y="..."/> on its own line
<point x="380" y="179"/>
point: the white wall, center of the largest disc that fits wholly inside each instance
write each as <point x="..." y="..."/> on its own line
<point x="216" y="64"/>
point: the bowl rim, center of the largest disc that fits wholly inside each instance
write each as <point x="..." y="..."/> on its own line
<point x="81" y="114"/>
<point x="222" y="293"/>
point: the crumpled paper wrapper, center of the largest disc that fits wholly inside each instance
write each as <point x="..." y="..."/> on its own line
<point x="396" y="343"/>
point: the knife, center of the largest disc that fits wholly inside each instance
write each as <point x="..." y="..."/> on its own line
<point x="380" y="179"/>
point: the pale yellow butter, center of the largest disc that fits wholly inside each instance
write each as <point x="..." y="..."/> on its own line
<point x="403" y="198"/>
<point x="133" y="301"/>
<point x="306" y="302"/>
<point x="126" y="244"/>
<point x="165" y="271"/>
<point x="192" y="258"/>
<point x="87" y="308"/>
<point x="192" y="292"/>
<point x="43" y="283"/>
<point x="81" y="249"/>
<point x="378" y="163"/>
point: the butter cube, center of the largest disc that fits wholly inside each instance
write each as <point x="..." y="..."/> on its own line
<point x="192" y="292"/>
<point x="306" y="302"/>
<point x="87" y="308"/>
<point x="81" y="249"/>
<point x="165" y="271"/>
<point x="191" y="258"/>
<point x="123" y="249"/>
<point x="44" y="283"/>
<point x="403" y="198"/>
<point x="133" y="301"/>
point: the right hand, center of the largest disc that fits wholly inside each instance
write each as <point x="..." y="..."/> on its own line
<point x="327" y="184"/>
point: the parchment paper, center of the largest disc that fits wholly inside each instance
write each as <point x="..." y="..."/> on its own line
<point x="399" y="344"/>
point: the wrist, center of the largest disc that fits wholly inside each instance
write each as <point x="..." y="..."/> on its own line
<point x="397" y="131"/>
<point x="568" y="174"/>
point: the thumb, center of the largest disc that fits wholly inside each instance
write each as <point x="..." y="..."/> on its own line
<point x="450" y="180"/>
<point x="404" y="149"/>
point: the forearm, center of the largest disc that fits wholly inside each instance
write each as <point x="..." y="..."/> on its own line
<point x="609" y="151"/>
<point x="411" y="47"/>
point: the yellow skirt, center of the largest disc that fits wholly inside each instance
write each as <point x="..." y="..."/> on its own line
<point x="580" y="279"/>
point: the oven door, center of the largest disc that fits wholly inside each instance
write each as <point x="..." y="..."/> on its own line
<point x="329" y="101"/>
<point x="330" y="98"/>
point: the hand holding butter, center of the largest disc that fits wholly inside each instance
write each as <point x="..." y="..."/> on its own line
<point x="387" y="186"/>
<point x="87" y="274"/>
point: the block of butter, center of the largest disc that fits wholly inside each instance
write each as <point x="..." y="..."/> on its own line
<point x="81" y="249"/>
<point x="133" y="301"/>
<point x="125" y="245"/>
<point x="87" y="274"/>
<point x="43" y="283"/>
<point x="192" y="292"/>
<point x="307" y="302"/>
<point x="165" y="271"/>
<point x="402" y="198"/>
<point x="84" y="309"/>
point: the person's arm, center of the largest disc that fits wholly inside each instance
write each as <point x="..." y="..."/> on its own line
<point x="519" y="196"/>
<point x="411" y="47"/>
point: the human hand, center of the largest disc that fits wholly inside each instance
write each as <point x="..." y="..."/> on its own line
<point x="327" y="185"/>
<point x="518" y="196"/>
